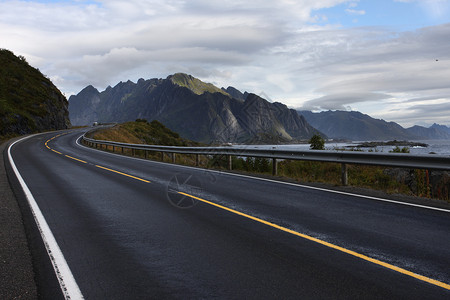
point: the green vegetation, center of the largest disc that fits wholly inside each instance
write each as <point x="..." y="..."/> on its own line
<point x="358" y="175"/>
<point x="317" y="143"/>
<point x="249" y="164"/>
<point x="195" y="85"/>
<point x="153" y="133"/>
<point x="397" y="149"/>
<point x="143" y="132"/>
<point x="26" y="97"/>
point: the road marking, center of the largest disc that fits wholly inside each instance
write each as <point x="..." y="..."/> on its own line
<point x="104" y="168"/>
<point x="316" y="240"/>
<point x="63" y="273"/>
<point x="56" y="151"/>
<point x="76" y="159"/>
<point x="342" y="193"/>
<point x="131" y="176"/>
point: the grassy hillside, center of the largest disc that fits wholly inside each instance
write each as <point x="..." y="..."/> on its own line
<point x="29" y="102"/>
<point x="142" y="132"/>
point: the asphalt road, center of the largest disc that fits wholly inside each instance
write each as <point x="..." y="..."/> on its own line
<point x="126" y="232"/>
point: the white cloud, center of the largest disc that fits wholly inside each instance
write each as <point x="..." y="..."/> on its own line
<point x="355" y="12"/>
<point x="341" y="101"/>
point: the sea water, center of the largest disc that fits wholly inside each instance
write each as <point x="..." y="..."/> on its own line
<point x="439" y="147"/>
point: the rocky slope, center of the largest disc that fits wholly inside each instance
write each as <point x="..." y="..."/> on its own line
<point x="29" y="102"/>
<point x="196" y="110"/>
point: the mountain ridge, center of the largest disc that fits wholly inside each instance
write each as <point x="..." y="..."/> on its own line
<point x="196" y="110"/>
<point x="356" y="126"/>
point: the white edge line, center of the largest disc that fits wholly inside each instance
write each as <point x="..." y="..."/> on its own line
<point x="280" y="182"/>
<point x="65" y="277"/>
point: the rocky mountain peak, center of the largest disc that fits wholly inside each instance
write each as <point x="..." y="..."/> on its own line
<point x="195" y="85"/>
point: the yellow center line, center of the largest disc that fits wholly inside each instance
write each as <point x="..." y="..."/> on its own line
<point x="356" y="254"/>
<point x="134" y="177"/>
<point x="68" y="156"/>
<point x="75" y="159"/>
<point x="56" y="151"/>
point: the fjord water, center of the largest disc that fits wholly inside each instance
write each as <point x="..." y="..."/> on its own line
<point x="439" y="147"/>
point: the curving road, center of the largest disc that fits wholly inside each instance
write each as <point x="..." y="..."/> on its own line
<point x="134" y="229"/>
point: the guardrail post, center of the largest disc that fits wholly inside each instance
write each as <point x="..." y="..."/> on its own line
<point x="274" y="167"/>
<point x="230" y="166"/>
<point x="145" y="154"/>
<point x="122" y="150"/>
<point x="114" y="148"/>
<point x="132" y="152"/>
<point x="197" y="160"/>
<point x="162" y="156"/>
<point x="173" y="157"/>
<point x="344" y="174"/>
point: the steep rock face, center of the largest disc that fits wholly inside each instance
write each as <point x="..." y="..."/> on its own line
<point x="235" y="93"/>
<point x="196" y="110"/>
<point x="85" y="105"/>
<point x="294" y="123"/>
<point x="29" y="102"/>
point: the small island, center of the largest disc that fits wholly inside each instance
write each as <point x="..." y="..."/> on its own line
<point x="391" y="143"/>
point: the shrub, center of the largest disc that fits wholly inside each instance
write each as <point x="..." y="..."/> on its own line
<point x="317" y="143"/>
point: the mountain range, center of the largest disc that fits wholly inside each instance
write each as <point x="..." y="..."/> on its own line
<point x="29" y="102"/>
<point x="202" y="112"/>
<point x="355" y="126"/>
<point x="196" y="110"/>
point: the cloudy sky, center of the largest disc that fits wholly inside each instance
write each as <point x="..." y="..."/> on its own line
<point x="386" y="58"/>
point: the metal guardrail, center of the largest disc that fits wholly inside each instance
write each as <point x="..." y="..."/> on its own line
<point x="401" y="160"/>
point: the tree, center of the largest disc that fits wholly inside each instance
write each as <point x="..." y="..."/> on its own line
<point x="317" y="143"/>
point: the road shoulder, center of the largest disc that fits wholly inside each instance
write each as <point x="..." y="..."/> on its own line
<point x="16" y="269"/>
